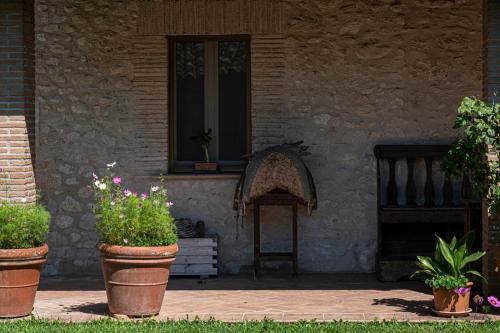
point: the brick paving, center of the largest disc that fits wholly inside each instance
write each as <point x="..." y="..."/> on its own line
<point x="308" y="297"/>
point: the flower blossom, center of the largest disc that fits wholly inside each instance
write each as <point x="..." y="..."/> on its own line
<point x="127" y="193"/>
<point x="461" y="290"/>
<point x="23" y="200"/>
<point x="94" y="176"/>
<point x="112" y="203"/>
<point x="135" y="194"/>
<point x="125" y="240"/>
<point x="102" y="186"/>
<point x="169" y="203"/>
<point x="155" y="189"/>
<point x="478" y="300"/>
<point x="494" y="301"/>
<point x="117" y="180"/>
<point x="111" y="165"/>
<point x="144" y="196"/>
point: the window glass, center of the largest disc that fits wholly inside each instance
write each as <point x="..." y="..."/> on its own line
<point x="232" y="100"/>
<point x="189" y="98"/>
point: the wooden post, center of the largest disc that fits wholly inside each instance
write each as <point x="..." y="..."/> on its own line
<point x="256" y="239"/>
<point x="295" y="241"/>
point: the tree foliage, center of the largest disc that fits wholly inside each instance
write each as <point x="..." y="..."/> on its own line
<point x="468" y="155"/>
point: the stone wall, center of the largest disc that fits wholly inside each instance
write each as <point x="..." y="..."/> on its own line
<point x="348" y="75"/>
<point x="17" y="107"/>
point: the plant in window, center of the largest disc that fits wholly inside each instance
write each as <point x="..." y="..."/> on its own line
<point x="203" y="140"/>
<point x="481" y="125"/>
<point x="450" y="277"/>
<point x="23" y="227"/>
<point x="138" y="244"/>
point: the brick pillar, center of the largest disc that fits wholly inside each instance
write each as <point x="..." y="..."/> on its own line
<point x="17" y="100"/>
<point x="491" y="226"/>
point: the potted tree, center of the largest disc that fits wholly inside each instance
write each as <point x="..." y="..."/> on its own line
<point x="137" y="245"/>
<point x="476" y="154"/>
<point x="203" y="139"/>
<point x="23" y="227"/>
<point x="450" y="279"/>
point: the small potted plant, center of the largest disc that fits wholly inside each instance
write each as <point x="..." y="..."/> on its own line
<point x="450" y="279"/>
<point x="23" y="227"/>
<point x="204" y="139"/>
<point x="137" y="245"/>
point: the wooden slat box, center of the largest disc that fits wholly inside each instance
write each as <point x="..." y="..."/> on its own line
<point x="197" y="256"/>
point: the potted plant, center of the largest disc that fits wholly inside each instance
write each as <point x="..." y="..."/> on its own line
<point x="204" y="139"/>
<point x="137" y="245"/>
<point x="23" y="227"/>
<point x="450" y="278"/>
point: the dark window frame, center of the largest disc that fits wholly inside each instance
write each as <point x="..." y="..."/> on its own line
<point x="187" y="167"/>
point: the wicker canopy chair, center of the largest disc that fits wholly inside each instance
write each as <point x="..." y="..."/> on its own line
<point x="276" y="176"/>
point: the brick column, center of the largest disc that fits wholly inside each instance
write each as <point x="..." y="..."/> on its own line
<point x="17" y="106"/>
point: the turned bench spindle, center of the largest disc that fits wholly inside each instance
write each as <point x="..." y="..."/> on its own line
<point x="392" y="189"/>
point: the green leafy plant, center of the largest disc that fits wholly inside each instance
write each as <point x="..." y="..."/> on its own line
<point x="481" y="125"/>
<point x="129" y="219"/>
<point x="204" y="139"/>
<point x="22" y="225"/>
<point x="449" y="266"/>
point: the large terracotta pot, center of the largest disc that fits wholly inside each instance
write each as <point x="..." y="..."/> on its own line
<point x="447" y="301"/>
<point x="136" y="277"/>
<point x="19" y="278"/>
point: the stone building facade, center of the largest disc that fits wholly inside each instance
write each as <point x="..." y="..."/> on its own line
<point x="341" y="75"/>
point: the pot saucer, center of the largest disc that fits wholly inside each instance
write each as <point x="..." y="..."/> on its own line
<point x="449" y="314"/>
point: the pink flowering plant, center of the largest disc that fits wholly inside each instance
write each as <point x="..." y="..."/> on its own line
<point x="480" y="305"/>
<point x="128" y="218"/>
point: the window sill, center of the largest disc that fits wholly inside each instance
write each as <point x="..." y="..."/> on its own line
<point x="206" y="176"/>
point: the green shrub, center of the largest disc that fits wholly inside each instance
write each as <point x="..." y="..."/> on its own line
<point x="448" y="268"/>
<point x="480" y="123"/>
<point x="129" y="219"/>
<point x="22" y="225"/>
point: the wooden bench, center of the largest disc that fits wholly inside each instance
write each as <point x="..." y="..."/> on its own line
<point x="410" y="212"/>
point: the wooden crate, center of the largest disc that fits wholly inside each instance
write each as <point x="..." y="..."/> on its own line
<point x="196" y="257"/>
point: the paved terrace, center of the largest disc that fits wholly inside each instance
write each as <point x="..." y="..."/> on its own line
<point x="308" y="297"/>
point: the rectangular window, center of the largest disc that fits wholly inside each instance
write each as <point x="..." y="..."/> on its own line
<point x="209" y="90"/>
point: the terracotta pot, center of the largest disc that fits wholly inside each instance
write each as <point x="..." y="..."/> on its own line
<point x="448" y="301"/>
<point x="203" y="166"/>
<point x="136" y="277"/>
<point x="19" y="278"/>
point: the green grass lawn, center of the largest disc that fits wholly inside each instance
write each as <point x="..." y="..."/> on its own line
<point x="248" y="327"/>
